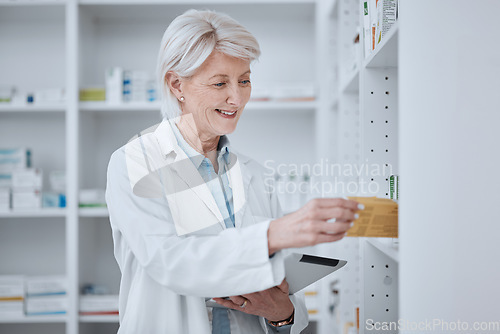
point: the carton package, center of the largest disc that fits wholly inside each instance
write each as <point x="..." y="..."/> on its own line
<point x="378" y="219"/>
<point x="114" y="85"/>
<point x="26" y="199"/>
<point x="92" y="198"/>
<point x="11" y="296"/>
<point x="27" y="178"/>
<point x="11" y="286"/>
<point x="46" y="285"/>
<point x="11" y="309"/>
<point x="4" y="199"/>
<point x="53" y="200"/>
<point x="46" y="305"/>
<point x="98" y="304"/>
<point x="57" y="180"/>
<point x="49" y="96"/>
<point x="12" y="159"/>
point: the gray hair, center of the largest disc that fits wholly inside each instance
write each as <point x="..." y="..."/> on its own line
<point x="190" y="39"/>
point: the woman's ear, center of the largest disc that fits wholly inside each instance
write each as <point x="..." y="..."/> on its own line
<point x="174" y="83"/>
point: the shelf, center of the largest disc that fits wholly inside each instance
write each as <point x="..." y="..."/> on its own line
<point x="155" y="106"/>
<point x="390" y="250"/>
<point x="99" y="318"/>
<point x="164" y="10"/>
<point x="34" y="319"/>
<point x="132" y="106"/>
<point x="40" y="213"/>
<point x="93" y="212"/>
<point x="351" y="85"/>
<point x="191" y="2"/>
<point x="386" y="53"/>
<point x="7" y="108"/>
<point x="31" y="2"/>
<point x="281" y="105"/>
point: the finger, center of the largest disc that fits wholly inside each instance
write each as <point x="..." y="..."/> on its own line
<point x="337" y="202"/>
<point x="283" y="286"/>
<point x="238" y="300"/>
<point x="337" y="213"/>
<point x="334" y="228"/>
<point x="227" y="303"/>
<point x="322" y="238"/>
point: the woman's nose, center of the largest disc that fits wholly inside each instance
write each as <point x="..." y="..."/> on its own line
<point x="235" y="96"/>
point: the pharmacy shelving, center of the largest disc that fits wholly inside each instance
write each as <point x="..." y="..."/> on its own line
<point x="99" y="318"/>
<point x="32" y="35"/>
<point x="365" y="110"/>
<point x="305" y="106"/>
<point x="7" y="108"/>
<point x="34" y="319"/>
<point x="45" y="212"/>
<point x="31" y="3"/>
<point x="386" y="53"/>
<point x="351" y="85"/>
<point x="93" y="212"/>
<point x="388" y="246"/>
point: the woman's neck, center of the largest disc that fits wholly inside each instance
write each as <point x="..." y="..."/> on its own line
<point x="201" y="142"/>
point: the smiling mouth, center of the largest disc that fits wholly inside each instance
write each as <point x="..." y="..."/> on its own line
<point x="229" y="113"/>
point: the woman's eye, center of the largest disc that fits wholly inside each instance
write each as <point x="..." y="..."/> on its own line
<point x="245" y="82"/>
<point x="220" y="84"/>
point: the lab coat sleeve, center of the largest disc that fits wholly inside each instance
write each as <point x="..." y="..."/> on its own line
<point x="301" y="317"/>
<point x="234" y="262"/>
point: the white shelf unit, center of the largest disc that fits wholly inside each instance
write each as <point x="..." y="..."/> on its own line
<point x="45" y="212"/>
<point x="33" y="57"/>
<point x="75" y="42"/>
<point x="266" y="106"/>
<point x="7" y="108"/>
<point x="34" y="319"/>
<point x="364" y="110"/>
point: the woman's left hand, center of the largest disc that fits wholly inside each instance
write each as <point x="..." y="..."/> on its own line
<point x="272" y="304"/>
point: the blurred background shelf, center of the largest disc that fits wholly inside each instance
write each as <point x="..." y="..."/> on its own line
<point x="388" y="247"/>
<point x="34" y="319"/>
<point x="49" y="212"/>
<point x="155" y="106"/>
<point x="99" y="318"/>
<point x="7" y="108"/>
<point x="386" y="53"/>
<point x="93" y="212"/>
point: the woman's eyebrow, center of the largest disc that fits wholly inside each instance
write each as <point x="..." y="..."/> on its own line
<point x="226" y="76"/>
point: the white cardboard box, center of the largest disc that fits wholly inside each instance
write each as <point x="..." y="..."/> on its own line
<point x="12" y="286"/>
<point x="46" y="305"/>
<point x="28" y="199"/>
<point x="29" y="178"/>
<point x="46" y="285"/>
<point x="99" y="303"/>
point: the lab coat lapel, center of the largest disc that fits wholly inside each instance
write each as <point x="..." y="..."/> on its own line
<point x="186" y="171"/>
<point x="190" y="175"/>
<point x="239" y="179"/>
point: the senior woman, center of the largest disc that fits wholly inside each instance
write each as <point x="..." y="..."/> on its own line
<point x="192" y="218"/>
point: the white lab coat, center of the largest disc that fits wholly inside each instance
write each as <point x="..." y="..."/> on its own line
<point x="169" y="268"/>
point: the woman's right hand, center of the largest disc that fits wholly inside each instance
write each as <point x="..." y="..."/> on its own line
<point x="309" y="225"/>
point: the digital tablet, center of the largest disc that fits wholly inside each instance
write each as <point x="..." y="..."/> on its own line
<point x="302" y="270"/>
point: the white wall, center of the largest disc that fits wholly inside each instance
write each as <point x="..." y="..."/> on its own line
<point x="449" y="158"/>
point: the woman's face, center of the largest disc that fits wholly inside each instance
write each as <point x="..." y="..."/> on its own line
<point x="217" y="94"/>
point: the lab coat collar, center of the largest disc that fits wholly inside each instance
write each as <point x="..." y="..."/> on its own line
<point x="239" y="175"/>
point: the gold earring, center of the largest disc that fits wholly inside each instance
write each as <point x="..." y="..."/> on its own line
<point x="181" y="99"/>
